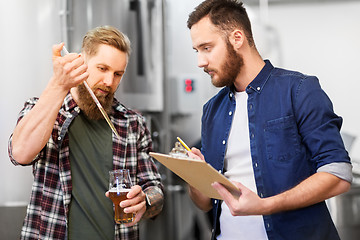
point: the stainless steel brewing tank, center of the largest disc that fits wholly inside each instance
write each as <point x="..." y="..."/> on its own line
<point x="345" y="211"/>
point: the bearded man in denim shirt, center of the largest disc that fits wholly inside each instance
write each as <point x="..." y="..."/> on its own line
<point x="271" y="131"/>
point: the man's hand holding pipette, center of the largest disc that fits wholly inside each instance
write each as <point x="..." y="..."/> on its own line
<point x="69" y="70"/>
<point x="35" y="128"/>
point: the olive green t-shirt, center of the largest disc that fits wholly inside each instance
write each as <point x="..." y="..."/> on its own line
<point x="91" y="212"/>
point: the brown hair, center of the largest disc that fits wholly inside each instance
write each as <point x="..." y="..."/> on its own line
<point x="105" y="35"/>
<point x="226" y="15"/>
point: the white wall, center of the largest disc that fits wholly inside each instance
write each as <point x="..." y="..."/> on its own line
<point x="324" y="40"/>
<point x="321" y="39"/>
<point x="28" y="31"/>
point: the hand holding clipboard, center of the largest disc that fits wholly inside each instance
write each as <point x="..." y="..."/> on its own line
<point x="197" y="173"/>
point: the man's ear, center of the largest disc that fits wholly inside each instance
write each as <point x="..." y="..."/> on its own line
<point x="84" y="55"/>
<point x="237" y="38"/>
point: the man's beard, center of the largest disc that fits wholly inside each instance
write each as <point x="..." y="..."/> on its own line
<point x="87" y="104"/>
<point x="229" y="69"/>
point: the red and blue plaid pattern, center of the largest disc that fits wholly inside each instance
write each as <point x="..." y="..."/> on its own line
<point x="48" y="209"/>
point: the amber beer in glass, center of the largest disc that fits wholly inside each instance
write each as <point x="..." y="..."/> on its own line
<point x="119" y="187"/>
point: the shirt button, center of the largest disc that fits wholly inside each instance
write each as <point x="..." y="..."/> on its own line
<point x="230" y="113"/>
<point x="231" y="95"/>
<point x="252" y="135"/>
<point x="77" y="109"/>
<point x="261" y="195"/>
<point x="256" y="165"/>
<point x="215" y="201"/>
<point x="223" y="142"/>
<point x="250" y="106"/>
<point x="59" y="138"/>
<point x="219" y="171"/>
<point x="258" y="88"/>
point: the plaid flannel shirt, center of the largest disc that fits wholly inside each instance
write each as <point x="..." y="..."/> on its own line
<point x="47" y="212"/>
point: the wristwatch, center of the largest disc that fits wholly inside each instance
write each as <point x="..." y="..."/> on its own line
<point x="147" y="200"/>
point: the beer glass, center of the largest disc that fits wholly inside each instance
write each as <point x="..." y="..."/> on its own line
<point x="119" y="186"/>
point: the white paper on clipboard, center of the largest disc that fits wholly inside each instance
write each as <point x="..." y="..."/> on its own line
<point x="197" y="173"/>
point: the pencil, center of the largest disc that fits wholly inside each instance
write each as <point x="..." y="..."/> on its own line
<point x="184" y="144"/>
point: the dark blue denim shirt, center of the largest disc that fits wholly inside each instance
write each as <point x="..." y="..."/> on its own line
<point x="293" y="131"/>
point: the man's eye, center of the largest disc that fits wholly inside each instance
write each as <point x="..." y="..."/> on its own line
<point x="102" y="69"/>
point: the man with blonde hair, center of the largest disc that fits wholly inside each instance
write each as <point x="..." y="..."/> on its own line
<point x="64" y="137"/>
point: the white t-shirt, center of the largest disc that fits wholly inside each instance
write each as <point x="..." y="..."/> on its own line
<point x="238" y="167"/>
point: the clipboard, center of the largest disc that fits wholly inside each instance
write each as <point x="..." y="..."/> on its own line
<point x="197" y="173"/>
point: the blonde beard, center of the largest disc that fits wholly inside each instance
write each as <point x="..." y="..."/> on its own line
<point x="89" y="107"/>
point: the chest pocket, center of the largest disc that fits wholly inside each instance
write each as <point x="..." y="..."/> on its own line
<point x="282" y="140"/>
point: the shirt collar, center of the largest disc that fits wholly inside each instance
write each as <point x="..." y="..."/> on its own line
<point x="260" y="80"/>
<point x="258" y="83"/>
<point x="69" y="103"/>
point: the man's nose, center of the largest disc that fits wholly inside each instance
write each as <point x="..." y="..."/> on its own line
<point x="109" y="79"/>
<point x="202" y="61"/>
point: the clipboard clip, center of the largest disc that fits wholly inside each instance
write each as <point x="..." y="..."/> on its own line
<point x="178" y="151"/>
